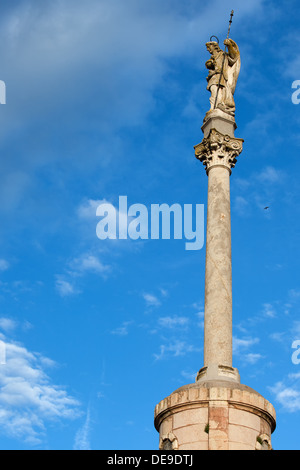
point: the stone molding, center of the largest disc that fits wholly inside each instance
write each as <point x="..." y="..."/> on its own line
<point x="238" y="397"/>
<point x="218" y="150"/>
<point x="218" y="372"/>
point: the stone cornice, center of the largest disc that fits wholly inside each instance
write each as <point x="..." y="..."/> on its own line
<point x="218" y="150"/>
<point x="237" y="396"/>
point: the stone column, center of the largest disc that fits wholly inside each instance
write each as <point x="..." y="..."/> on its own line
<point x="216" y="412"/>
<point x="218" y="152"/>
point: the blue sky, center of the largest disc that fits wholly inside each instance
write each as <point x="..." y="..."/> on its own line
<point x="106" y="98"/>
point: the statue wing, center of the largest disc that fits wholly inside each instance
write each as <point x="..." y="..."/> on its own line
<point x="234" y="62"/>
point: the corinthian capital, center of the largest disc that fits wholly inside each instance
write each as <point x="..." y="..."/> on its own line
<point x="218" y="150"/>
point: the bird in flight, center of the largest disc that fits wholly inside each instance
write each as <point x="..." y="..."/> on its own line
<point x="267" y="207"/>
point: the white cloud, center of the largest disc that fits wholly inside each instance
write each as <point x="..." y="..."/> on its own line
<point x="87" y="213"/>
<point x="252" y="358"/>
<point x="200" y="313"/>
<point x="268" y="310"/>
<point x="28" y="398"/>
<point x="287" y="396"/>
<point x="90" y="67"/>
<point x="113" y="39"/>
<point x="87" y="209"/>
<point x="173" y="322"/>
<point x="7" y="324"/>
<point x="80" y="266"/>
<point x="121" y="330"/>
<point x="124" y="40"/>
<point x="240" y="344"/>
<point x="151" y="300"/>
<point x="88" y="263"/>
<point x="295" y="375"/>
<point x="65" y="288"/>
<point x="278" y="336"/>
<point x="241" y="347"/>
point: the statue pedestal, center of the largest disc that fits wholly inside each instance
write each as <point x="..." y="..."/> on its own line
<point x="222" y="122"/>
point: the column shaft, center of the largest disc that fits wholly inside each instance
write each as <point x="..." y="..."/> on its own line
<point x="218" y="278"/>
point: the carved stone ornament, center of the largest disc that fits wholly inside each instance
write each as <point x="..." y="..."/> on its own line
<point x="263" y="442"/>
<point x="168" y="442"/>
<point x="218" y="150"/>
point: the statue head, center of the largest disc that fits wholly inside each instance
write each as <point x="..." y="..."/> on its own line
<point x="212" y="46"/>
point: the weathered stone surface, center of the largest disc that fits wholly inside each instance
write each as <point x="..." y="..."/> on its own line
<point x="218" y="152"/>
<point x="219" y="121"/>
<point x="218" y="289"/>
<point x="216" y="416"/>
<point x="189" y="417"/>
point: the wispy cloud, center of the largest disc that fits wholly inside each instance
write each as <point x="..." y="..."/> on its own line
<point x="82" y="438"/>
<point x="242" y="344"/>
<point x="269" y="310"/>
<point x="288" y="396"/>
<point x="175" y="348"/>
<point x="65" y="288"/>
<point x="122" y="330"/>
<point x="7" y="324"/>
<point x="87" y="209"/>
<point x="78" y="267"/>
<point x="151" y="300"/>
<point x="270" y="175"/>
<point x="173" y="322"/>
<point x="252" y="358"/>
<point x="88" y="263"/>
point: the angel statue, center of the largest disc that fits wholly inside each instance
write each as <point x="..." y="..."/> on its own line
<point x="224" y="68"/>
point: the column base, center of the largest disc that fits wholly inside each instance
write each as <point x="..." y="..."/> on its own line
<point x="215" y="415"/>
<point x="218" y="372"/>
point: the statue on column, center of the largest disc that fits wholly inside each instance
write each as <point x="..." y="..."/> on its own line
<point x="224" y="68"/>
